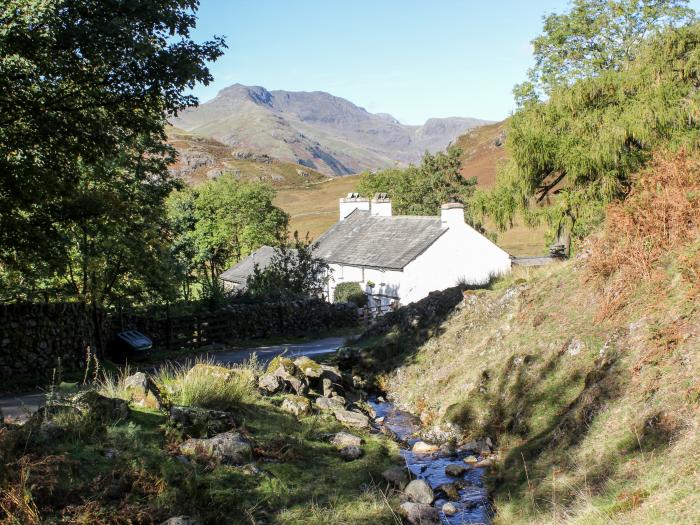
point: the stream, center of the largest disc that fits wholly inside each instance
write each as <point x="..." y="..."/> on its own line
<point x="473" y="505"/>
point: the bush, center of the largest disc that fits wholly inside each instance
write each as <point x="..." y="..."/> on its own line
<point x="660" y="215"/>
<point x="350" y="293"/>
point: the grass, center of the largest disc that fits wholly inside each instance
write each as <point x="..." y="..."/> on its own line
<point x="206" y="384"/>
<point x="620" y="444"/>
<point x="128" y="471"/>
<point x="314" y="209"/>
<point x="594" y="408"/>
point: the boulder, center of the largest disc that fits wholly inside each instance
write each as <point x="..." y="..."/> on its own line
<point x="419" y="514"/>
<point x="201" y="422"/>
<point x="99" y="407"/>
<point x="332" y="373"/>
<point x="471" y="460"/>
<point x="421" y="447"/>
<point x="345" y="439"/>
<point x="290" y="375"/>
<point x="484" y="463"/>
<point x="181" y="520"/>
<point x="310" y="368"/>
<point x="449" y="509"/>
<point x="297" y="405"/>
<point x="365" y="407"/>
<point x="351" y="418"/>
<point x="330" y="403"/>
<point x="456" y="470"/>
<point x="229" y="447"/>
<point x="298" y="385"/>
<point x="397" y="476"/>
<point x="142" y="391"/>
<point x="270" y="384"/>
<point x="419" y="491"/>
<point x="327" y="387"/>
<point x="351" y="452"/>
<point x="283" y="362"/>
<point x="211" y="371"/>
<point x="451" y="490"/>
<point x="359" y="383"/>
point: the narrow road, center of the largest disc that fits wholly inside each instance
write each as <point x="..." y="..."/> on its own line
<point x="19" y="407"/>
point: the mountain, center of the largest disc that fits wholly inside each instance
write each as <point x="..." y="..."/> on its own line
<point x="316" y="129"/>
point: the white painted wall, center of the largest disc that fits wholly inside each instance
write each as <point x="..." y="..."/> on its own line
<point x="460" y="254"/>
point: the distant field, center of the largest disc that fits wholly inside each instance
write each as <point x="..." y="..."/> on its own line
<point x="314" y="208"/>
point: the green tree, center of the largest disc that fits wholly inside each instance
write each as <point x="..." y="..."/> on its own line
<point x="293" y="273"/>
<point x="218" y="223"/>
<point x="578" y="151"/>
<point x="596" y="36"/>
<point x="422" y="189"/>
<point x="85" y="90"/>
<point x="180" y="210"/>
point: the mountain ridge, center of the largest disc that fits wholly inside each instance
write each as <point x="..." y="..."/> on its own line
<point x="317" y="129"/>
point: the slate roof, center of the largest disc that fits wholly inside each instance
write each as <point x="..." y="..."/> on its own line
<point x="240" y="272"/>
<point x="372" y="241"/>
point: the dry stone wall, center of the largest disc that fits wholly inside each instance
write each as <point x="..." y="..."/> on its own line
<point x="34" y="338"/>
<point x="242" y="321"/>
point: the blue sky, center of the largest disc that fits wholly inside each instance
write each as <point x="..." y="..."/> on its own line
<point x="414" y="59"/>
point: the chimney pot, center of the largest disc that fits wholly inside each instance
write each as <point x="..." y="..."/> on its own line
<point x="381" y="205"/>
<point x="351" y="203"/>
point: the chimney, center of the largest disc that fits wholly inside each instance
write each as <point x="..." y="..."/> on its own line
<point x="351" y="203"/>
<point x="381" y="205"/>
<point x="452" y="214"/>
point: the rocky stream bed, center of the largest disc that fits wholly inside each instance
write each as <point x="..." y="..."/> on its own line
<point x="454" y="474"/>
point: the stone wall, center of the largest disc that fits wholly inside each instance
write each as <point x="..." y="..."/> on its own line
<point x="240" y="322"/>
<point x="35" y="337"/>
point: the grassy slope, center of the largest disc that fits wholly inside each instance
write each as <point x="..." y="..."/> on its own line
<point x="480" y="154"/>
<point x="603" y="414"/>
<point x="587" y="372"/>
<point x="314" y="208"/>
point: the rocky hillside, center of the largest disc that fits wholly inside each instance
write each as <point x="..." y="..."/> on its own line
<point x="483" y="149"/>
<point x="316" y="129"/>
<point x="585" y="374"/>
<point x="201" y="158"/>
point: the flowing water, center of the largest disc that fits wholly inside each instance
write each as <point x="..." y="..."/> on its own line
<point x="473" y="505"/>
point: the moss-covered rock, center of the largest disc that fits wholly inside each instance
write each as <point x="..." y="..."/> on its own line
<point x="310" y="368"/>
<point x="297" y="405"/>
<point x="212" y="371"/>
<point x="293" y="378"/>
<point x="283" y="362"/>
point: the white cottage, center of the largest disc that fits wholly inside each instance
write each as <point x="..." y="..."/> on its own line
<point x="400" y="259"/>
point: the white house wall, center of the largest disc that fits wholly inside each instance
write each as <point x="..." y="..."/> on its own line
<point x="460" y="254"/>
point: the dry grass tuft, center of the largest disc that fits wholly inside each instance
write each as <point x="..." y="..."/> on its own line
<point x="661" y="214"/>
<point x="191" y="384"/>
